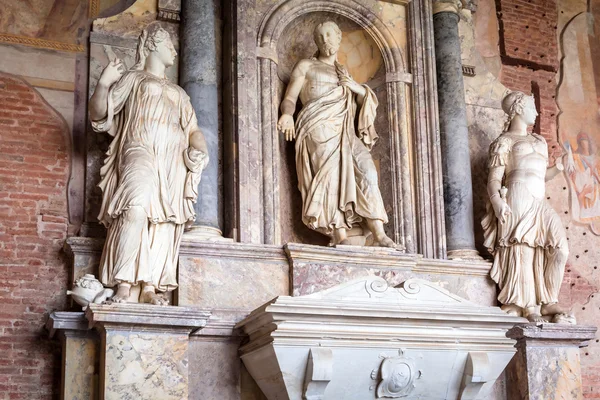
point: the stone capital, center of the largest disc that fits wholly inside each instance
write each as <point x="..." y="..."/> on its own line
<point x="453" y="6"/>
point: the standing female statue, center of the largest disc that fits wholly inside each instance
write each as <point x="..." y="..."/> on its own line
<point x="151" y="172"/>
<point x="521" y="230"/>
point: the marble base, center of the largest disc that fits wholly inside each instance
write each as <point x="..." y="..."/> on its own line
<point x="144" y="350"/>
<point x="80" y="355"/>
<point x="547" y="364"/>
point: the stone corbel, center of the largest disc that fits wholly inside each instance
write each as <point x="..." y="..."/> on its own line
<point x="319" y="370"/>
<point x="477" y="374"/>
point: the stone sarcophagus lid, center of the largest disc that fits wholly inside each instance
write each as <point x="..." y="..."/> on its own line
<point x="366" y="340"/>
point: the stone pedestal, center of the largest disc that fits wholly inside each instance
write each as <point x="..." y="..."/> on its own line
<point x="547" y="364"/>
<point x="144" y="349"/>
<point x="80" y="355"/>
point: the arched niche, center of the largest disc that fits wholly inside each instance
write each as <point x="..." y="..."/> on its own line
<point x="373" y="56"/>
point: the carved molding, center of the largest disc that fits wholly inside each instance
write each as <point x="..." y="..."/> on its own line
<point x="41" y="43"/>
<point x="169" y="10"/>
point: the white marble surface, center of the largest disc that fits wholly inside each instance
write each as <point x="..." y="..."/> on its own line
<point x="424" y="332"/>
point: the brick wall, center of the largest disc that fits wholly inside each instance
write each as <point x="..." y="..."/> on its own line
<point x="529" y="53"/>
<point x="33" y="226"/>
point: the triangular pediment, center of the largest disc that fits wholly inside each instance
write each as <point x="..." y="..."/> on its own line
<point x="374" y="288"/>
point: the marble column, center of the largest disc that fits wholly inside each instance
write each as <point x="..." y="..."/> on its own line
<point x="458" y="192"/>
<point x="198" y="77"/>
<point x="547" y="365"/>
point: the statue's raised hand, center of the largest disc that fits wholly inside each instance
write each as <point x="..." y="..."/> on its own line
<point x="112" y="73"/>
<point x="286" y="126"/>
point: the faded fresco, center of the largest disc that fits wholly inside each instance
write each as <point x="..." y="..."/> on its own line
<point x="579" y="121"/>
<point x="63" y="21"/>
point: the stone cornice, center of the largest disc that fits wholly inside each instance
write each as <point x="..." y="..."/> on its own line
<point x="168" y="318"/>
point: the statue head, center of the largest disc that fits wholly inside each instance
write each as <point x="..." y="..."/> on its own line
<point x="519" y="105"/>
<point x="328" y="37"/>
<point x="158" y="44"/>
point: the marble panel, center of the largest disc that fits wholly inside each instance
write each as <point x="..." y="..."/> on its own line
<point x="145" y="365"/>
<point x="80" y="366"/>
<point x="547" y="365"/>
<point x="214" y="368"/>
<point x="317" y="268"/>
<point x="230" y="275"/>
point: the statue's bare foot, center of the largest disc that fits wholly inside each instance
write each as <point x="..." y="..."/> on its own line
<point x="512" y="309"/>
<point x="535" y="317"/>
<point x="552" y="309"/>
<point x="152" y="297"/>
<point x="345" y="242"/>
<point x="122" y="294"/>
<point x="385" y="241"/>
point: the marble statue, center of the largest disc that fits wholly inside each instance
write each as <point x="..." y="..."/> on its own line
<point x="521" y="230"/>
<point x="334" y="133"/>
<point x="152" y="169"/>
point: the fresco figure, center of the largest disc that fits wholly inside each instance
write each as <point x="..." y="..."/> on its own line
<point x="583" y="168"/>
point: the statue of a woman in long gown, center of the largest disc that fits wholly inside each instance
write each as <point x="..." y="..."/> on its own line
<point x="521" y="230"/>
<point x="151" y="172"/>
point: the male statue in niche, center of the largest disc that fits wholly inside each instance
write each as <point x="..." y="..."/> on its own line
<point x="336" y="173"/>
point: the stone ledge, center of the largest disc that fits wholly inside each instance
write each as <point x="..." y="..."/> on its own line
<point x="66" y="320"/>
<point x="567" y="334"/>
<point x="249" y="251"/>
<point x="146" y="315"/>
<point x="383" y="258"/>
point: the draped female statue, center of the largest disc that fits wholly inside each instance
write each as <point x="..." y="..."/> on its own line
<point x="151" y="172"/>
<point x="521" y="230"/>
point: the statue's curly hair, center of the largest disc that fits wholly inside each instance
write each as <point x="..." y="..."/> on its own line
<point x="148" y="42"/>
<point x="513" y="104"/>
